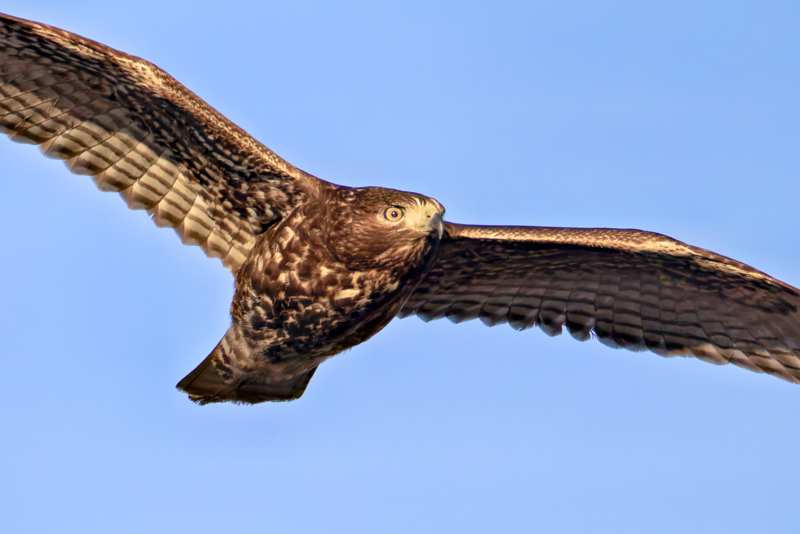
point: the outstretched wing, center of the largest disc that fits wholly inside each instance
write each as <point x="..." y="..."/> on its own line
<point x="632" y="289"/>
<point x="139" y="132"/>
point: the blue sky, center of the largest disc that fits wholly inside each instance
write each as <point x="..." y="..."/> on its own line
<point x="675" y="117"/>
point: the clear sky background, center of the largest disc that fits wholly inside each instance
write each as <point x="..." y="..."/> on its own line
<point x="680" y="117"/>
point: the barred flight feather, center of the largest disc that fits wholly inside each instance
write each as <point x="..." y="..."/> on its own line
<point x="140" y="133"/>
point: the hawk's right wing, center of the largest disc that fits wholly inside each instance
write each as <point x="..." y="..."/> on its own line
<point x="139" y="132"/>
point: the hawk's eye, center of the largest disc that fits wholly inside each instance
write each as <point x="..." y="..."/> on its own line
<point x="393" y="214"/>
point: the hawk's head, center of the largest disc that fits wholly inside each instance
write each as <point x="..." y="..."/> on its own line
<point x="373" y="227"/>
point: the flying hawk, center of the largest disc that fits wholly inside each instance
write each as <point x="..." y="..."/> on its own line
<point x="320" y="268"/>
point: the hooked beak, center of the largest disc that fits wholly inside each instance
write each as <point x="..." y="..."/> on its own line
<point x="428" y="220"/>
<point x="435" y="222"/>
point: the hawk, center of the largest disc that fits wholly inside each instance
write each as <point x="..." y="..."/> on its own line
<point x="320" y="268"/>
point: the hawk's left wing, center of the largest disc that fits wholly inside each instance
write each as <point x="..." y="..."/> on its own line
<point x="632" y="289"/>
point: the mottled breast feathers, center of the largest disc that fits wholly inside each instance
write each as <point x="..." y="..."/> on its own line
<point x="326" y="278"/>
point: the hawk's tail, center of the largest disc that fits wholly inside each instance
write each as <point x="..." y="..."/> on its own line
<point x="212" y="381"/>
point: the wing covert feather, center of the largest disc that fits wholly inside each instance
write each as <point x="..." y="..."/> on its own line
<point x="139" y="132"/>
<point x="631" y="289"/>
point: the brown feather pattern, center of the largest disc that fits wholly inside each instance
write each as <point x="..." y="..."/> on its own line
<point x="328" y="277"/>
<point x="139" y="132"/>
<point x="321" y="268"/>
<point x="632" y="289"/>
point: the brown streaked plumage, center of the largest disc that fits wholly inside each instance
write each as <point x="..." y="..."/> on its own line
<point x="320" y="268"/>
